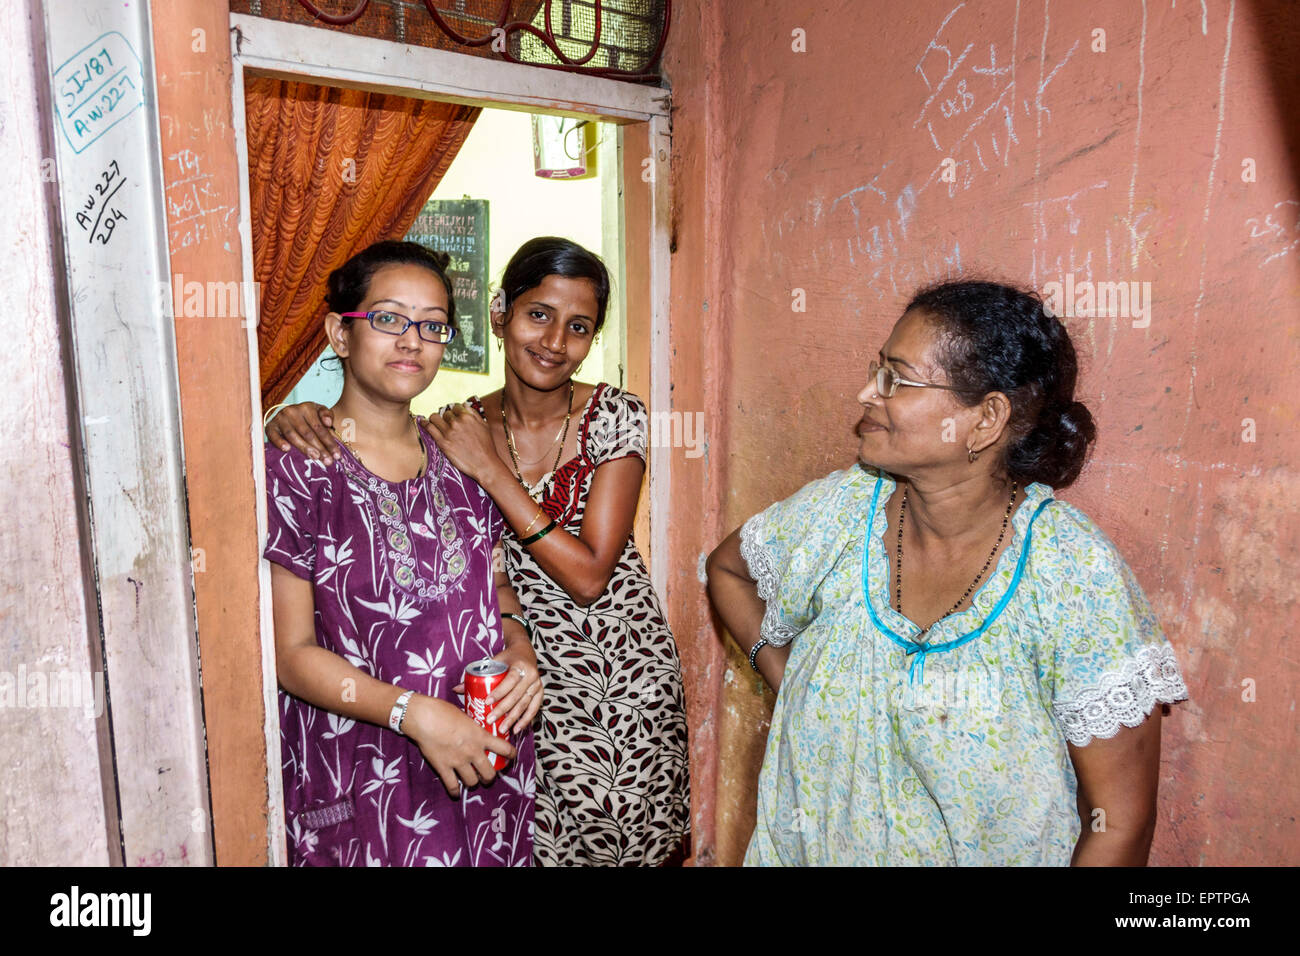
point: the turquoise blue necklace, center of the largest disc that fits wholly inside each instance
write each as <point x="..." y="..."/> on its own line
<point x="920" y="650"/>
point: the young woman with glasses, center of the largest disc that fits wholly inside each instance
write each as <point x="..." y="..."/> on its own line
<point x="385" y="588"/>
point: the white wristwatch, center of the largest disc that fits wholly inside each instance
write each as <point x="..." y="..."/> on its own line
<point x="398" y="713"/>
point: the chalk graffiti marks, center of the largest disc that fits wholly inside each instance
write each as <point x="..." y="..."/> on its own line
<point x="974" y="125"/>
<point x="192" y="203"/>
<point x="1279" y="227"/>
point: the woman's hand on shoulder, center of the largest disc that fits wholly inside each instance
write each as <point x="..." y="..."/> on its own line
<point x="463" y="436"/>
<point x="306" y="427"/>
<point x="453" y="744"/>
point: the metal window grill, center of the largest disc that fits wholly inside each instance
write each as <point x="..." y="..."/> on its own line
<point x="619" y="39"/>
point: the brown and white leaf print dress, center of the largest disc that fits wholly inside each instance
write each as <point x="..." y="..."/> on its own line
<point x="613" y="784"/>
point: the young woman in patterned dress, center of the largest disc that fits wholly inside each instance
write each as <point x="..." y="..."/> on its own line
<point x="564" y="461"/>
<point x="384" y="587"/>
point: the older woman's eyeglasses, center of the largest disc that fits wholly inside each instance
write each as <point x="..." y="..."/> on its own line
<point x="394" y="323"/>
<point x="887" y="381"/>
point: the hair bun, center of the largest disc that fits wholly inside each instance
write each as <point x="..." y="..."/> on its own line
<point x="442" y="258"/>
<point x="1063" y="435"/>
<point x="1075" y="417"/>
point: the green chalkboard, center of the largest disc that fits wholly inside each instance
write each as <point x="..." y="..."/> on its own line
<point x="459" y="227"/>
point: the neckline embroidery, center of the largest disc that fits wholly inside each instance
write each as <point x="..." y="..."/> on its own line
<point x="392" y="528"/>
<point x="433" y="461"/>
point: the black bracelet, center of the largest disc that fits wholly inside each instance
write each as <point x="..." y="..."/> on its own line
<point x="541" y="534"/>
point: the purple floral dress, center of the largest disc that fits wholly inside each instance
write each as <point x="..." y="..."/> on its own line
<point x="403" y="588"/>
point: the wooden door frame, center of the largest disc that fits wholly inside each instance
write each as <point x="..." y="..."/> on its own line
<point x="296" y="52"/>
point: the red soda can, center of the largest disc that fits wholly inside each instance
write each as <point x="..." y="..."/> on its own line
<point x="480" y="679"/>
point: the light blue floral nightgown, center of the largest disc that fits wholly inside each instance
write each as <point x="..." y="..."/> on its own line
<point x="882" y="753"/>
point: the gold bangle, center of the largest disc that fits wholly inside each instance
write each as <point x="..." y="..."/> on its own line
<point x="539" y="517"/>
<point x="266" y="419"/>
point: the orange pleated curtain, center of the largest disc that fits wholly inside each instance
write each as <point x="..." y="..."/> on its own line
<point x="331" y="171"/>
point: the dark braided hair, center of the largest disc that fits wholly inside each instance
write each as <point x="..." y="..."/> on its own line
<point x="997" y="338"/>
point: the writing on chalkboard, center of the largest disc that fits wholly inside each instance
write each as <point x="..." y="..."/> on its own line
<point x="99" y="214"/>
<point x="97" y="88"/>
<point x="459" y="227"/>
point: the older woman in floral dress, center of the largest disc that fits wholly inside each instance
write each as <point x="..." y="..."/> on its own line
<point x="967" y="670"/>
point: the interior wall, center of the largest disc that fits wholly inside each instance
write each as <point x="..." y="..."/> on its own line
<point x="48" y="627"/>
<point x="701" y="251"/>
<point x="809" y="163"/>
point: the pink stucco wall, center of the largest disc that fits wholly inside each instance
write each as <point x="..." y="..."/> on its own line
<point x="822" y="171"/>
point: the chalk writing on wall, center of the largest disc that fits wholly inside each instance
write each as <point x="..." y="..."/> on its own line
<point x="191" y="202"/>
<point x="97" y="88"/>
<point x="1279" y="228"/>
<point x="970" y="110"/>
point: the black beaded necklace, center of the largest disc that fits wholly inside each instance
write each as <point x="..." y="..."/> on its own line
<point x="898" y="585"/>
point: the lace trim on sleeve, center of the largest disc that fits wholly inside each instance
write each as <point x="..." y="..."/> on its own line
<point x="765" y="574"/>
<point x="1124" y="697"/>
<point x="756" y="557"/>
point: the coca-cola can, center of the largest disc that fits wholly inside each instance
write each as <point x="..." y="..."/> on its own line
<point x="480" y="679"/>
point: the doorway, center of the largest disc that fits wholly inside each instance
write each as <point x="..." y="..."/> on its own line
<point x="631" y="149"/>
